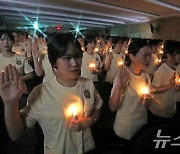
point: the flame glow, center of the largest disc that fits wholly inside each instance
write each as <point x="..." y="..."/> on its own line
<point x="120" y="63"/>
<point x="126" y="52"/>
<point x="92" y="65"/>
<point x="146" y="90"/>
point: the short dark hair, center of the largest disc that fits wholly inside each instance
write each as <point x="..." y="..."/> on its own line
<point x="58" y="46"/>
<point x="170" y="47"/>
<point x="88" y="39"/>
<point x="9" y="33"/>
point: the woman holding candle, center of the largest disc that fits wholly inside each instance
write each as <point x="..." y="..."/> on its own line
<point x="155" y="60"/>
<point x="24" y="46"/>
<point x="50" y="104"/>
<point x="91" y="61"/>
<point x="42" y="65"/>
<point x="164" y="104"/>
<point x="129" y="95"/>
<point x="7" y="56"/>
<point x="112" y="60"/>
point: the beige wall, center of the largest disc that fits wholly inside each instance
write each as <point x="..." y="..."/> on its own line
<point x="168" y="29"/>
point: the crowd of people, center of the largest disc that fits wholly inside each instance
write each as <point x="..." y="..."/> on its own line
<point x="144" y="74"/>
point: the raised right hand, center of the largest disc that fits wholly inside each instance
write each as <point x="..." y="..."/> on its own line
<point x="35" y="49"/>
<point x="122" y="77"/>
<point x="11" y="86"/>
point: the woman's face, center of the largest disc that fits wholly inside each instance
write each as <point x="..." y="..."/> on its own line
<point x="171" y="59"/>
<point x="119" y="46"/>
<point x="15" y="36"/>
<point x="6" y="43"/>
<point x="177" y="58"/>
<point x="69" y="65"/>
<point x="21" y="37"/>
<point x="90" y="48"/>
<point x="143" y="57"/>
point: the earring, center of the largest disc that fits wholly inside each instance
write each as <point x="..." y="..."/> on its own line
<point x="55" y="67"/>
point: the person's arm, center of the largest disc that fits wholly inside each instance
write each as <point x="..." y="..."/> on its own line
<point x="37" y="59"/>
<point x="11" y="89"/>
<point x="165" y="88"/>
<point x="107" y="62"/>
<point x="38" y="65"/>
<point x="14" y="123"/>
<point x="116" y="99"/>
<point x="27" y="76"/>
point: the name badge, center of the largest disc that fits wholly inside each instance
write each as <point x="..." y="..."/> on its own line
<point x="18" y="62"/>
<point x="87" y="93"/>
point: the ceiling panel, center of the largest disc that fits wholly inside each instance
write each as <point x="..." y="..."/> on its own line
<point x="86" y="13"/>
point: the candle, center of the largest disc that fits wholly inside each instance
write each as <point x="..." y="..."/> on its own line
<point x="146" y="91"/>
<point x="145" y="95"/>
<point x="161" y="52"/>
<point x="96" y="49"/>
<point x="92" y="66"/>
<point x="162" y="46"/>
<point x="126" y="52"/>
<point x="120" y="63"/>
<point x="178" y="81"/>
<point x="82" y="48"/>
<point x="73" y="110"/>
<point x="110" y="50"/>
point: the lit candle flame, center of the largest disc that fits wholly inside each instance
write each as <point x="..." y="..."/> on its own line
<point x="73" y="110"/>
<point x="110" y="50"/>
<point x="44" y="51"/>
<point x="161" y="52"/>
<point x="126" y="52"/>
<point x="120" y="63"/>
<point x="146" y="91"/>
<point x="162" y="46"/>
<point x="82" y="48"/>
<point x="92" y="65"/>
<point x="159" y="61"/>
<point x="96" y="49"/>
